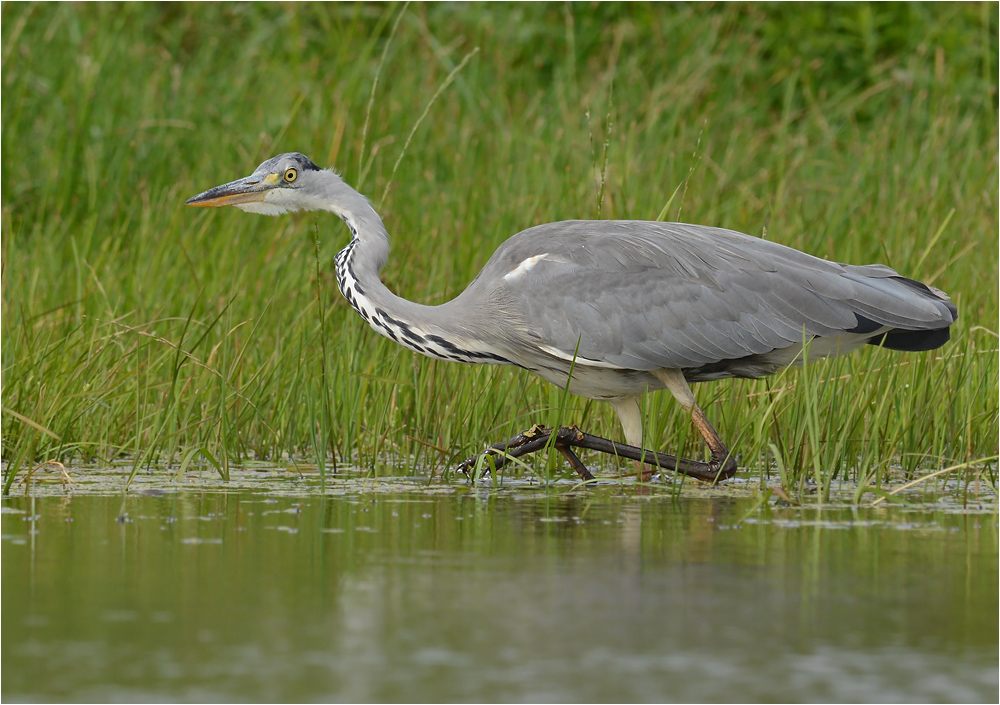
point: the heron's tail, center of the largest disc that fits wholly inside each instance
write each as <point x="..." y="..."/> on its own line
<point x="925" y="339"/>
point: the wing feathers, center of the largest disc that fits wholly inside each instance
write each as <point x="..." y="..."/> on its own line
<point x="643" y="295"/>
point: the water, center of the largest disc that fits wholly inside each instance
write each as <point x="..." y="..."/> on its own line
<point x="514" y="595"/>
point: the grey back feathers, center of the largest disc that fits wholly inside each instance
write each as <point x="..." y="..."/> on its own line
<point x="648" y="295"/>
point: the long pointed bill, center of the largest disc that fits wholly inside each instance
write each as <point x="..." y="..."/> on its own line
<point x="251" y="189"/>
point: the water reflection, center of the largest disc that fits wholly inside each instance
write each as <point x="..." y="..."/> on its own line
<point x="520" y="595"/>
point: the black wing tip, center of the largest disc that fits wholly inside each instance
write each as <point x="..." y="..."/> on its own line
<point x="913" y="340"/>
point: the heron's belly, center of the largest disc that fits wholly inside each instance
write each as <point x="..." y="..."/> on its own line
<point x="615" y="383"/>
<point x="601" y="382"/>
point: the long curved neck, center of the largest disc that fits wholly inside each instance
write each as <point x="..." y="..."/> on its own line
<point x="444" y="332"/>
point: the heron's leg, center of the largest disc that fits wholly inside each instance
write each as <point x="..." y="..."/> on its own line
<point x="630" y="417"/>
<point x="722" y="459"/>
<point x="721" y="466"/>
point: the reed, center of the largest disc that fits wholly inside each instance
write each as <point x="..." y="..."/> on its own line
<point x="136" y="329"/>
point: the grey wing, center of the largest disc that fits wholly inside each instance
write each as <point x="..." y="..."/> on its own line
<point x="645" y="295"/>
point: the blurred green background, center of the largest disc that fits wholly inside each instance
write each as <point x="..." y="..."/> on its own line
<point x="136" y="329"/>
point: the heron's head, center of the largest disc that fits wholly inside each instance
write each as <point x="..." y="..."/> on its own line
<point x="287" y="182"/>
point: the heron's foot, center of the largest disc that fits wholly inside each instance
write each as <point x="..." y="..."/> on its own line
<point x="722" y="466"/>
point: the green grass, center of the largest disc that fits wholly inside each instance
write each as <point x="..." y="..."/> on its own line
<point x="135" y="329"/>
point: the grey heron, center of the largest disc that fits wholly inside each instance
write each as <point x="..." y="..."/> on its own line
<point x="611" y="309"/>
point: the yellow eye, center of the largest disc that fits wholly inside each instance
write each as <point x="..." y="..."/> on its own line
<point x="291" y="175"/>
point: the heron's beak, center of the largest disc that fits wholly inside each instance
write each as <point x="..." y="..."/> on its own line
<point x="251" y="189"/>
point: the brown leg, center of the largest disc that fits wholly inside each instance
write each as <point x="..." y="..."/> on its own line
<point x="722" y="459"/>
<point x="720" y="453"/>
